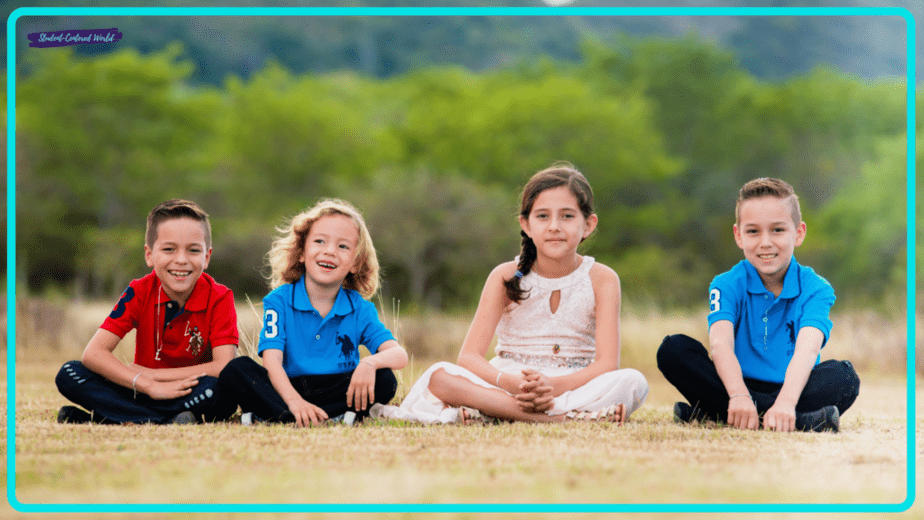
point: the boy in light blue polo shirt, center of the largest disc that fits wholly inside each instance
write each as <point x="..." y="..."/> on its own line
<point x="324" y="267"/>
<point x="768" y="321"/>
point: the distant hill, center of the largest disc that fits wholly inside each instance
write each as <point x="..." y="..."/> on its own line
<point x="769" y="47"/>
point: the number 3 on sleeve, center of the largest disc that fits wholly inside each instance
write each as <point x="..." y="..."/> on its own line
<point x="271" y="330"/>
<point x="714" y="304"/>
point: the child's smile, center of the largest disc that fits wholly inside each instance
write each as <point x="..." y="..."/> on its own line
<point x="178" y="256"/>
<point x="768" y="236"/>
<point x="330" y="252"/>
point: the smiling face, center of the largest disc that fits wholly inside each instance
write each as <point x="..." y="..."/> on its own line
<point x="330" y="252"/>
<point x="556" y="224"/>
<point x="768" y="236"/>
<point x="178" y="256"/>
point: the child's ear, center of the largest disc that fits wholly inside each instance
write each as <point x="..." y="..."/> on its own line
<point x="800" y="233"/>
<point x="524" y="225"/>
<point x="737" y="235"/>
<point x="591" y="225"/>
<point x="208" y="256"/>
<point x="147" y="256"/>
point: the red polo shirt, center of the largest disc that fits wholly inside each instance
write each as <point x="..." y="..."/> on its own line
<point x="208" y="320"/>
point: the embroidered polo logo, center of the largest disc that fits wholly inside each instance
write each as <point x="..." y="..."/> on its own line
<point x="346" y="346"/>
<point x="195" y="340"/>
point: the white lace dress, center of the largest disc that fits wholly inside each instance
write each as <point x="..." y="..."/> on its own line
<point x="530" y="335"/>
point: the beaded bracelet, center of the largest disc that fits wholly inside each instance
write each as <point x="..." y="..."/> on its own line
<point x="366" y="361"/>
<point x="497" y="381"/>
<point x="741" y="395"/>
<point x="135" y="389"/>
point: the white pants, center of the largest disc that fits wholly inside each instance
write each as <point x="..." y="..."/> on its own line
<point x="627" y="386"/>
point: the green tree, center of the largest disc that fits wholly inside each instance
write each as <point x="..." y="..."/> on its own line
<point x="101" y="141"/>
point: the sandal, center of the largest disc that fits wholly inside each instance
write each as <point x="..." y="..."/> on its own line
<point x="614" y="413"/>
<point x="469" y="416"/>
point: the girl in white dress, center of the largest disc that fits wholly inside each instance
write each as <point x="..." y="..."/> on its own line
<point x="556" y="315"/>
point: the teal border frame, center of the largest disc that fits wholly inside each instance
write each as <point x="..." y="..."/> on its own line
<point x="455" y="11"/>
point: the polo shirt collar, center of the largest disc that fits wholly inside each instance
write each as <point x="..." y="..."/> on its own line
<point x="198" y="300"/>
<point x="343" y="305"/>
<point x="790" y="281"/>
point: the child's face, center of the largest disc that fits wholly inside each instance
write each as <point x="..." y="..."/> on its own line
<point x="178" y="256"/>
<point x="556" y="224"/>
<point x="330" y="251"/>
<point x="768" y="236"/>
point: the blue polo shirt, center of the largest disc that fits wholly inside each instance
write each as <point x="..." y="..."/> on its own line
<point x="766" y="326"/>
<point x="312" y="345"/>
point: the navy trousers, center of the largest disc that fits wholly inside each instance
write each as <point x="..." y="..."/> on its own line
<point x="246" y="382"/>
<point x="685" y="363"/>
<point x="112" y="403"/>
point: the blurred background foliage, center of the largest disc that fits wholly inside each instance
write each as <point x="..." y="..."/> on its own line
<point x="431" y="126"/>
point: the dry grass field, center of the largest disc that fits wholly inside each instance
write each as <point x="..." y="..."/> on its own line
<point x="650" y="460"/>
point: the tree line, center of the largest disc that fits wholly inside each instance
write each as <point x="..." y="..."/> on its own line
<point x="666" y="131"/>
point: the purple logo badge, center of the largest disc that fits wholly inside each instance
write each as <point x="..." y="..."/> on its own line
<point x="78" y="37"/>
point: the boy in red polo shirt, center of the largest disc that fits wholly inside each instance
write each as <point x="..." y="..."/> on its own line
<point x="187" y="332"/>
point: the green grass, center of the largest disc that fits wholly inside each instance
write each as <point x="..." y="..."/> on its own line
<point x="649" y="460"/>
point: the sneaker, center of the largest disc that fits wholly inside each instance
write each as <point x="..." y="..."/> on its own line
<point x="73" y="415"/>
<point x="346" y="418"/>
<point x="186" y="417"/>
<point x="250" y="419"/>
<point x="683" y="412"/>
<point x="827" y="418"/>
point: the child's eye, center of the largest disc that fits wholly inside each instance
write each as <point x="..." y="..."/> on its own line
<point x="344" y="246"/>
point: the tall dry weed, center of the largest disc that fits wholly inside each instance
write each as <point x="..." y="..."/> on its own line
<point x="870" y="340"/>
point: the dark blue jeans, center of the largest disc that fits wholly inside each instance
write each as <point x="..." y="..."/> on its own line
<point x="110" y="402"/>
<point x="685" y="363"/>
<point x="247" y="383"/>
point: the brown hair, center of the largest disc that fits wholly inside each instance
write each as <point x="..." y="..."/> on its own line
<point x="283" y="256"/>
<point x="172" y="209"/>
<point x="769" y="187"/>
<point x="559" y="174"/>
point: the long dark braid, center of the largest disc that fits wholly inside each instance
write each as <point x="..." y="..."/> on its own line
<point x="559" y="174"/>
<point x="527" y="259"/>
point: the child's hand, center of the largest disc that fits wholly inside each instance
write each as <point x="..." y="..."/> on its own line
<point x="362" y="386"/>
<point x="780" y="417"/>
<point x="535" y="392"/>
<point x="742" y="413"/>
<point x="306" y="413"/>
<point x="161" y="390"/>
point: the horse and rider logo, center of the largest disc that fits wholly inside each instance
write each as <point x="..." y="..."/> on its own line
<point x="347" y="348"/>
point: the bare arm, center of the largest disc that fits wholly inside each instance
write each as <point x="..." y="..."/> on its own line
<point x="741" y="410"/>
<point x="221" y="356"/>
<point x="782" y="415"/>
<point x="305" y="413"/>
<point x="475" y="347"/>
<point x="98" y="357"/>
<point x="362" y="383"/>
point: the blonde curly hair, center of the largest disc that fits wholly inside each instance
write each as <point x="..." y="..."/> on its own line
<point x="283" y="256"/>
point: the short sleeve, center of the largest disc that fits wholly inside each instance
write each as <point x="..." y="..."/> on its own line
<point x="124" y="316"/>
<point x="373" y="331"/>
<point x="724" y="299"/>
<point x="273" y="333"/>
<point x="816" y="308"/>
<point x="223" y="328"/>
